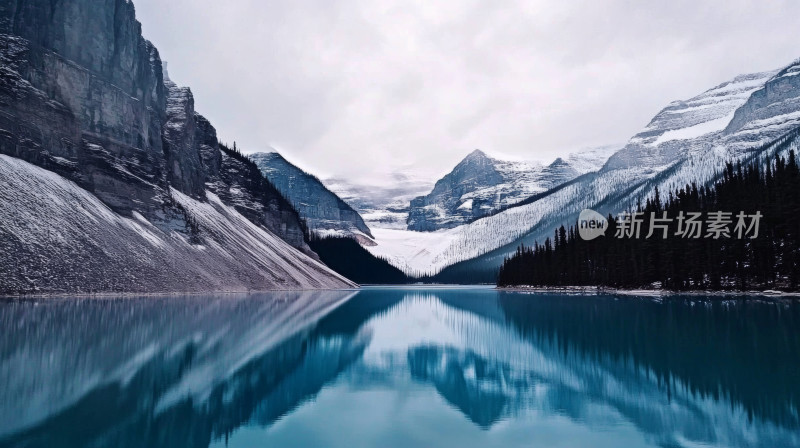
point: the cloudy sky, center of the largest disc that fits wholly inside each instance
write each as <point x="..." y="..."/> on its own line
<point x="362" y="88"/>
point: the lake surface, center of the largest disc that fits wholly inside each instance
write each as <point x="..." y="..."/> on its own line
<point x="392" y="367"/>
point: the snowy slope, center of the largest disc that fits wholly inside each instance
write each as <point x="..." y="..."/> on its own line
<point x="768" y="113"/>
<point x="415" y="253"/>
<point x="58" y="237"/>
<point x="686" y="126"/>
<point x="593" y="158"/>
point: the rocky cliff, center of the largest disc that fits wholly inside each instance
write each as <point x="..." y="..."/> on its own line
<point x="322" y="210"/>
<point x="84" y="96"/>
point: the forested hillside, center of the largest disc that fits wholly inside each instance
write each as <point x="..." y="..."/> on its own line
<point x="753" y="244"/>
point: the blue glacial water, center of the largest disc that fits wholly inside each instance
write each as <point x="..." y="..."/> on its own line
<point x="400" y="367"/>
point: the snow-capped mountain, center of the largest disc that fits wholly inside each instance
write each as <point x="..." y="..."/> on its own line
<point x="322" y="210"/>
<point x="767" y="114"/>
<point x="688" y="141"/>
<point x="480" y="185"/>
<point x="109" y="179"/>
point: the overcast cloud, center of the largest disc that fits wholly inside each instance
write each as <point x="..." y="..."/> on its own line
<point x="364" y="87"/>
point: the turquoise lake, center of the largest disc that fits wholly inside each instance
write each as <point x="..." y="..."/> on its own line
<point x="400" y="367"/>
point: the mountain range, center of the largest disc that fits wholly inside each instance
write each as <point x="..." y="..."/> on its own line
<point x="385" y="205"/>
<point x="688" y="141"/>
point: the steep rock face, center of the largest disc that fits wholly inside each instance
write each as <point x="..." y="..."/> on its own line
<point x="446" y="205"/>
<point x="184" y="168"/>
<point x="97" y="118"/>
<point x="687" y="126"/>
<point x="196" y="161"/>
<point x="768" y="113"/>
<point x="84" y="96"/>
<point x="322" y="210"/>
<point x="241" y="184"/>
<point x="480" y="185"/>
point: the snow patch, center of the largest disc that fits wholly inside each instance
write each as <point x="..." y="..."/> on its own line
<point x="695" y="131"/>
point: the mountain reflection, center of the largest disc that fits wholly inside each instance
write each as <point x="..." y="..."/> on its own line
<point x="158" y="372"/>
<point x="193" y="371"/>
<point x="472" y="384"/>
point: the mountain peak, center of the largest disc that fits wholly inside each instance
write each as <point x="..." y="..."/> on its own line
<point x="477" y="154"/>
<point x="267" y="152"/>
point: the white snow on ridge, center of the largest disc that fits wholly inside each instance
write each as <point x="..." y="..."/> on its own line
<point x="592" y="159"/>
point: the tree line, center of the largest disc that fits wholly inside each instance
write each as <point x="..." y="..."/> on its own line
<point x="760" y="196"/>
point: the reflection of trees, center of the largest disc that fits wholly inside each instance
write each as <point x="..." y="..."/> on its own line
<point x="745" y="350"/>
